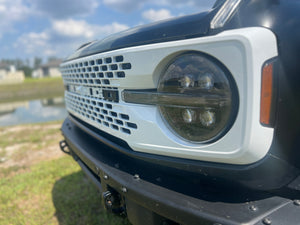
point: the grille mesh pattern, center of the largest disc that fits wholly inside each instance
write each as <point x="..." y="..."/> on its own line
<point x="99" y="113"/>
<point x="85" y="82"/>
<point x="95" y="72"/>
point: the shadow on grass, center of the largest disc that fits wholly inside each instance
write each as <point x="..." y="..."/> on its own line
<point x="77" y="201"/>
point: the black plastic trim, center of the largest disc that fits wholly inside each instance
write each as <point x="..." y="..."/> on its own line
<point x="90" y="175"/>
<point x="175" y="206"/>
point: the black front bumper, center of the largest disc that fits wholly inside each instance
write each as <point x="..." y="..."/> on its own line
<point x="154" y="194"/>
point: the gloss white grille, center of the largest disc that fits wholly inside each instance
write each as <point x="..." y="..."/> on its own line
<point x="85" y="81"/>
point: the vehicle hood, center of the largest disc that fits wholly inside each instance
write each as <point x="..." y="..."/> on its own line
<point x="191" y="26"/>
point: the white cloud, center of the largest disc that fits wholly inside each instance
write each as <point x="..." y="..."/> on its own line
<point x="10" y="13"/>
<point x="131" y="5"/>
<point x="80" y="28"/>
<point x="73" y="28"/>
<point x="102" y="31"/>
<point x="155" y="15"/>
<point x="124" y="5"/>
<point x="192" y="3"/>
<point x="60" y="9"/>
<point x="33" y="42"/>
<point x="64" y="37"/>
<point x="16" y="12"/>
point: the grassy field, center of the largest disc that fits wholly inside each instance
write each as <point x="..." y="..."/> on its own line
<point x="41" y="185"/>
<point x="32" y="89"/>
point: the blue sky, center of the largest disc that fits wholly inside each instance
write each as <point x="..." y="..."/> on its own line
<point x="46" y="28"/>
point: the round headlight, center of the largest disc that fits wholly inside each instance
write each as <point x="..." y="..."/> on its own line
<point x="208" y="96"/>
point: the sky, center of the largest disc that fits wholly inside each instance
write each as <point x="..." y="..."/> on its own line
<point x="55" y="28"/>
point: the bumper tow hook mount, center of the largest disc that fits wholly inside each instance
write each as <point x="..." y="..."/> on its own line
<point x="113" y="203"/>
<point x="64" y="147"/>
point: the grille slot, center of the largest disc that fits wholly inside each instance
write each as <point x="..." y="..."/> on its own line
<point x="108" y="67"/>
<point x="98" y="113"/>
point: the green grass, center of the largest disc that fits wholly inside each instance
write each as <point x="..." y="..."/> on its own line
<point x="39" y="185"/>
<point x="51" y="192"/>
<point x="41" y="80"/>
<point x="32" y="89"/>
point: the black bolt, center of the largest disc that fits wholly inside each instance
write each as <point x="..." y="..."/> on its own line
<point x="108" y="199"/>
<point x="108" y="203"/>
<point x="267" y="221"/>
<point x="253" y="208"/>
<point x="297" y="202"/>
<point x="124" y="189"/>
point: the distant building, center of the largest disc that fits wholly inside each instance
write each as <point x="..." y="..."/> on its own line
<point x="50" y="69"/>
<point x="9" y="74"/>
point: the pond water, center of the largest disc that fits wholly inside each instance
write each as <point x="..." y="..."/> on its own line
<point x="36" y="111"/>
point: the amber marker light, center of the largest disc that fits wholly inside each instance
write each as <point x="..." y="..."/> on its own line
<point x="266" y="94"/>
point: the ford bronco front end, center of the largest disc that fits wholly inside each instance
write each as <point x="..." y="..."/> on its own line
<point x="193" y="120"/>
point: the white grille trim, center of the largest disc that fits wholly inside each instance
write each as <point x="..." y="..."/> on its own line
<point x="242" y="51"/>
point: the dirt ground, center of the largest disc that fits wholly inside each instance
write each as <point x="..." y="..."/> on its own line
<point x="25" y="145"/>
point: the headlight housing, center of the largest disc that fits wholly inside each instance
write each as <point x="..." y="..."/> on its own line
<point x="205" y="97"/>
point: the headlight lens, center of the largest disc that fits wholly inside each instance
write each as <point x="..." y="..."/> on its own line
<point x="198" y="76"/>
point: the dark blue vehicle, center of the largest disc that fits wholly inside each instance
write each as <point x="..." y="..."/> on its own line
<point x="193" y="120"/>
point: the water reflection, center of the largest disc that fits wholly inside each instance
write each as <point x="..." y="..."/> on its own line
<point x="6" y="108"/>
<point x="32" y="111"/>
